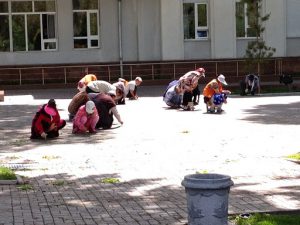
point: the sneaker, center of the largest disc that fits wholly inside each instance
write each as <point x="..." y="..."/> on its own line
<point x="220" y="110"/>
<point x="184" y="107"/>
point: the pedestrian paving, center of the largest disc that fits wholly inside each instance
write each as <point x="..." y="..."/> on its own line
<point x="149" y="156"/>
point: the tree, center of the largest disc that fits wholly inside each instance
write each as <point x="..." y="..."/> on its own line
<point x="257" y="51"/>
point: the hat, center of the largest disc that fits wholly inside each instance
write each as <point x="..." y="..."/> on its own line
<point x="50" y="108"/>
<point x="112" y="92"/>
<point x="89" y="107"/>
<point x="221" y="78"/>
<point x="81" y="86"/>
<point x="139" y="79"/>
<point x="200" y="70"/>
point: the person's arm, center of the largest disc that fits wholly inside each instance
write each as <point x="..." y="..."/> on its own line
<point x="116" y="114"/>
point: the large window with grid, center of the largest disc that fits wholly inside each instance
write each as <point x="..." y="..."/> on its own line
<point x="244" y="21"/>
<point x="195" y="20"/>
<point x="86" y="24"/>
<point x="27" y="26"/>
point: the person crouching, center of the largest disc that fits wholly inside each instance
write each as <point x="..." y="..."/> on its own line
<point x="46" y="122"/>
<point x="86" y="119"/>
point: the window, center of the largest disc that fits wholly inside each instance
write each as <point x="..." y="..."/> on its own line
<point x="244" y="22"/>
<point x="86" y="24"/>
<point x="27" y="26"/>
<point x="195" y="20"/>
<point x="4" y="27"/>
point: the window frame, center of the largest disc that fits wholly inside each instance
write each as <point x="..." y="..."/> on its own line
<point x="196" y="21"/>
<point x="89" y="37"/>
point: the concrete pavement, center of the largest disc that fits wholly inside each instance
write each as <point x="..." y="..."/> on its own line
<point x="150" y="154"/>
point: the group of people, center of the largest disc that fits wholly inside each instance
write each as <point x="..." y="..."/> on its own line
<point x="92" y="108"/>
<point x="184" y="93"/>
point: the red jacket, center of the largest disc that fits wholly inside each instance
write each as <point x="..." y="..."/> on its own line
<point x="42" y="122"/>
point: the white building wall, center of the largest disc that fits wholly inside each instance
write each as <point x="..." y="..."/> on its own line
<point x="275" y="33"/>
<point x="223" y="41"/>
<point x="293" y="28"/>
<point x="171" y="30"/>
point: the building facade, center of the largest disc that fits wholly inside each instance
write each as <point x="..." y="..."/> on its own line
<point x="46" y="32"/>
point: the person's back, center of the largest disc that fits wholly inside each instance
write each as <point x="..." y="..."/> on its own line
<point x="100" y="86"/>
<point x="78" y="100"/>
<point x="85" y="81"/>
<point x="173" y="96"/>
<point x="103" y="103"/>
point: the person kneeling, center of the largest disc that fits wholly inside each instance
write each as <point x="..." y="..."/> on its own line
<point x="86" y="118"/>
<point x="46" y="122"/>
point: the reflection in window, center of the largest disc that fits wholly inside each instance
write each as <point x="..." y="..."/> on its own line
<point x="244" y="23"/>
<point x="18" y="30"/>
<point x="44" y="6"/>
<point x="80" y="28"/>
<point x="85" y="4"/>
<point x="34" y="32"/>
<point x="3" y="7"/>
<point x="4" y="33"/>
<point x="21" y="6"/>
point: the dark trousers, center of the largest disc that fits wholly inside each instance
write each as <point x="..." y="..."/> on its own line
<point x="190" y="96"/>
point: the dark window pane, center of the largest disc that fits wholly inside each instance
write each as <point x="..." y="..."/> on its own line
<point x="94" y="43"/>
<point x="3" y="7"/>
<point x="18" y="29"/>
<point x="251" y="32"/>
<point x="189" y="20"/>
<point x="21" y="6"/>
<point x="93" y="24"/>
<point x="240" y="20"/>
<point x="202" y="15"/>
<point x="80" y="43"/>
<point x="34" y="32"/>
<point x="4" y="34"/>
<point x="80" y="24"/>
<point x="44" y="6"/>
<point x="85" y="4"/>
<point x="202" y="33"/>
<point x="48" y="22"/>
<point x="50" y="45"/>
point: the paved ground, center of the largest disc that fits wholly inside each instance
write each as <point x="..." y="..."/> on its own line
<point x="150" y="155"/>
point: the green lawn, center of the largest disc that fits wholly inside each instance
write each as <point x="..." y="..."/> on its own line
<point x="7" y="174"/>
<point x="294" y="156"/>
<point x="267" y="219"/>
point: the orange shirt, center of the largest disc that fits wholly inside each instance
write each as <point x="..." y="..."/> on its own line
<point x="214" y="86"/>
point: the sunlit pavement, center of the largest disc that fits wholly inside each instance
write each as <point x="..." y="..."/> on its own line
<point x="150" y="155"/>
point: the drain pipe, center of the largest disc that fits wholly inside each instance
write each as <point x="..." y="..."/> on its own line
<point x="120" y="36"/>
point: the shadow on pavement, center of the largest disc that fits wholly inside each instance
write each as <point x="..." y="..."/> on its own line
<point x="15" y="126"/>
<point x="87" y="200"/>
<point x="283" y="114"/>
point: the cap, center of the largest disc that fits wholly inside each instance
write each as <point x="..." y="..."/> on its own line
<point x="139" y="79"/>
<point x="221" y="78"/>
<point x="50" y="110"/>
<point x="112" y="92"/>
<point x="201" y="70"/>
<point x="89" y="107"/>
